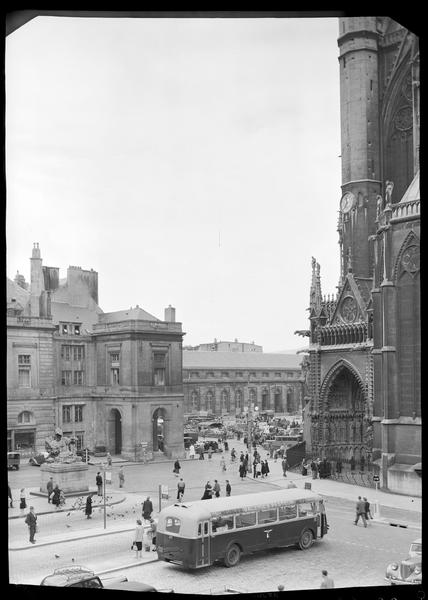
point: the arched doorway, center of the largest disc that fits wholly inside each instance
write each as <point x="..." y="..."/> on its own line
<point x="115" y="431"/>
<point x="278" y="401"/>
<point x="158" y="435"/>
<point x="265" y="399"/>
<point x="345" y="412"/>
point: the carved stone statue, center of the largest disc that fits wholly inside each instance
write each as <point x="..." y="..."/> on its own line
<point x="61" y="449"/>
<point x="389" y="186"/>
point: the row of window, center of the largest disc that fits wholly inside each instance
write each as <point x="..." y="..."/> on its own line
<point x="68" y="351"/>
<point x="70" y="328"/>
<point x="72" y="413"/>
<point x="248" y="519"/>
<point x="72" y="377"/>
<point x="228" y="374"/>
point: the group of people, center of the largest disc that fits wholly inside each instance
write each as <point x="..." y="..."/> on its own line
<point x="145" y="531"/>
<point x="362" y="510"/>
<point x="214" y="491"/>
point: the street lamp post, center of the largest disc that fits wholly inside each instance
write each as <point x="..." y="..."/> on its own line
<point x="104" y="495"/>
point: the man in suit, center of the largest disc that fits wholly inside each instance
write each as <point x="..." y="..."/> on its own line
<point x="360" y="509"/>
<point x="31" y="521"/>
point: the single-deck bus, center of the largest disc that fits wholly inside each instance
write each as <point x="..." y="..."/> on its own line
<point x="196" y="534"/>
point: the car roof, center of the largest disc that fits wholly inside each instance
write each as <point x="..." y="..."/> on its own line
<point x="417" y="541"/>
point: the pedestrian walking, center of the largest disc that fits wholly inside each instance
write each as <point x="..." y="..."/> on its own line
<point x="216" y="488"/>
<point x="303" y="468"/>
<point x="138" y="539"/>
<point x="226" y="446"/>
<point x="275" y="455"/>
<point x="284" y="465"/>
<point x="121" y="477"/>
<point x="88" y="507"/>
<point x="49" y="487"/>
<point x="176" y="468"/>
<point x="326" y="581"/>
<point x="147" y="508"/>
<point x="233" y="455"/>
<point x="99" y="483"/>
<point x="360" y="510"/>
<point x="192" y="451"/>
<point x="201" y="453"/>
<point x="55" y="496"/>
<point x="22" y="500"/>
<point x="368" y="514"/>
<point x="263" y="469"/>
<point x="180" y="490"/>
<point x="242" y="470"/>
<point x="223" y="464"/>
<point x="314" y="469"/>
<point x="153" y="527"/>
<point x="228" y="488"/>
<point x="31" y="521"/>
<point x="267" y="469"/>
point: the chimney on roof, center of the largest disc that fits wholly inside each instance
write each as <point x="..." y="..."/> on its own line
<point x="170" y="314"/>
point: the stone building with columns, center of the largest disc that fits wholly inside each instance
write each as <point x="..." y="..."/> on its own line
<point x="109" y="379"/>
<point x="363" y="374"/>
<point x="221" y="383"/>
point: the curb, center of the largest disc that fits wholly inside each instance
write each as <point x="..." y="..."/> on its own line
<point x="72" y="539"/>
<point x="130" y="565"/>
<point x="51" y="512"/>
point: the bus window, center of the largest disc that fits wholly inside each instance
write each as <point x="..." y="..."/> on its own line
<point x="288" y="512"/>
<point x="307" y="509"/>
<point x="246" y="519"/>
<point x="172" y="524"/>
<point x="206" y="528"/>
<point x="199" y="529"/>
<point x="220" y="524"/>
<point x="267" y="516"/>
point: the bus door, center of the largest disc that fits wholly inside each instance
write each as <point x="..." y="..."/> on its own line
<point x="203" y="549"/>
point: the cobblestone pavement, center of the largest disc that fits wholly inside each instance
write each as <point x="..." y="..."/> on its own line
<point x="350" y="548"/>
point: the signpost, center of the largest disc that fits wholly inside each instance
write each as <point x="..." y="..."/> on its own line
<point x="377" y="507"/>
<point x="163" y="494"/>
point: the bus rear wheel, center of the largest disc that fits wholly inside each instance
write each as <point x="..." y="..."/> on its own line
<point x="233" y="555"/>
<point x="306" y="539"/>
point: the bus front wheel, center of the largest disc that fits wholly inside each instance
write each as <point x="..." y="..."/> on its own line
<point x="233" y="555"/>
<point x="306" y="539"/>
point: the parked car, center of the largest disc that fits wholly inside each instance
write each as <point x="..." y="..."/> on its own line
<point x="208" y="444"/>
<point x="13" y="460"/>
<point x="408" y="570"/>
<point x="38" y="459"/>
<point x="81" y="577"/>
<point x="100" y="451"/>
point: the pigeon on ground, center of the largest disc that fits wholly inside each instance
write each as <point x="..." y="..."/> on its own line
<point x="56" y="555"/>
<point x="67" y="525"/>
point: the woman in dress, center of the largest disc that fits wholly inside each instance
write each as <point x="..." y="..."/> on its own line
<point x="138" y="539"/>
<point x="22" y="500"/>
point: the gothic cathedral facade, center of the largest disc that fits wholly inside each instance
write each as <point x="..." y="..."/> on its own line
<point x="363" y="397"/>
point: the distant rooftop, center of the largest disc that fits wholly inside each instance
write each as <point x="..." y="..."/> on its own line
<point x="240" y="360"/>
<point x="413" y="191"/>
<point x="132" y="314"/>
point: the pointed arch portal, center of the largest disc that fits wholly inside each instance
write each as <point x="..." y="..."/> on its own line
<point x="344" y="410"/>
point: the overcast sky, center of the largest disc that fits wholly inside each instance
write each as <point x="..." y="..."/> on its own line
<point x="191" y="162"/>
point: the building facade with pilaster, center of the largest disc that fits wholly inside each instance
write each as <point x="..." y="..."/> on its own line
<point x="108" y="379"/>
<point x="222" y="383"/>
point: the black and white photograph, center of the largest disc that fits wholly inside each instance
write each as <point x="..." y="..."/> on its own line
<point x="213" y="337"/>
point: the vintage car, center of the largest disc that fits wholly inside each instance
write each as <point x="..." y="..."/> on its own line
<point x="409" y="570"/>
<point x="80" y="577"/>
<point x="13" y="460"/>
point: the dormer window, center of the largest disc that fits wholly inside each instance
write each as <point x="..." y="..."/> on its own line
<point x="64" y="329"/>
<point x="76" y="329"/>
